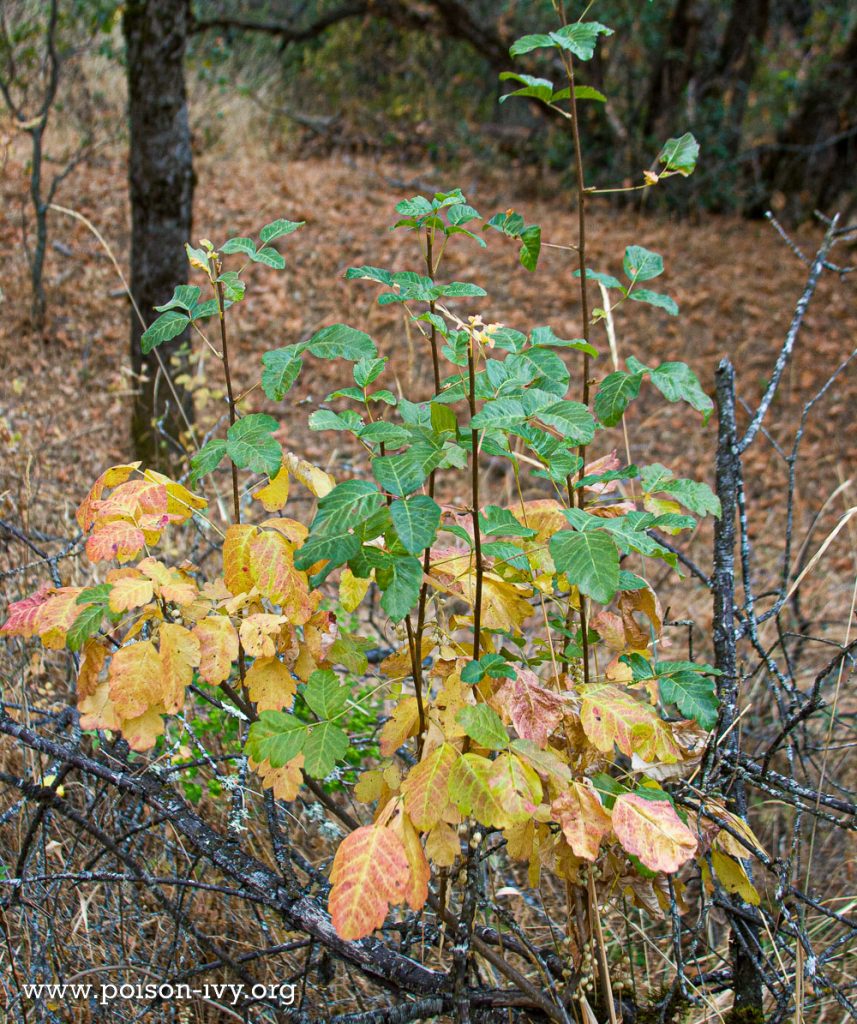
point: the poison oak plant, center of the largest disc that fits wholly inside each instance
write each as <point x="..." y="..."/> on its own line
<point x="537" y="703"/>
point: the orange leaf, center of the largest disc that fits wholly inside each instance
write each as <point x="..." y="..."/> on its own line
<point x="272" y="568"/>
<point x="652" y="831"/>
<point x="57" y="616"/>
<point x="117" y="539"/>
<point x="218" y="647"/>
<point x="370" y="871"/>
<point x="534" y="710"/>
<point x="109" y="478"/>
<point x="142" y="731"/>
<point x="91" y="664"/>
<point x="583" y="819"/>
<point x="609" y="715"/>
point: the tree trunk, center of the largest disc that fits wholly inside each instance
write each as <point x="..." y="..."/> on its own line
<point x="161" y="182"/>
<point x="674" y="67"/>
<point x="812" y="162"/>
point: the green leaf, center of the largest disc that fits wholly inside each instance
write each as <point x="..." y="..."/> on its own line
<point x="168" y="325"/>
<point x="339" y="341"/>
<point x="208" y="308"/>
<point x="443" y="419"/>
<point x="641" y="264"/>
<point x="655" y="299"/>
<point x="531" y="244"/>
<point x="402" y="474"/>
<point x="473" y="672"/>
<point x="544" y="336"/>
<point x="532" y="42"/>
<point x="239" y="244"/>
<point x="84" y="626"/>
<point x="506" y="553"/>
<point x="185" y="296"/>
<point x="502" y="412"/>
<point x="694" y="495"/>
<point x="590" y="560"/>
<point x="606" y="279"/>
<point x="325" y="745"/>
<point x="586" y="92"/>
<point x="276" y="737"/>
<point x="281" y="367"/>
<point x="536" y="88"/>
<point x="580" y="37"/>
<point x="324" y="693"/>
<point x="416" y="520"/>
<point x="368" y="370"/>
<point x="327" y="419"/>
<point x="484" y="726"/>
<point x="693" y="694"/>
<point x="347" y="505"/>
<point x="369" y="274"/>
<point x="572" y="419"/>
<point x="419" y="206"/>
<point x="390" y="433"/>
<point x="679" y="156"/>
<point x="678" y="383"/>
<point x="615" y="394"/>
<point x="99" y="594"/>
<point x="207" y="459"/>
<point x="270" y="257"/>
<point x="461" y="213"/>
<point x="233" y="286"/>
<point x="500" y="522"/>
<point x="251" y="445"/>
<point x="402" y="591"/>
<point x="279" y="228"/>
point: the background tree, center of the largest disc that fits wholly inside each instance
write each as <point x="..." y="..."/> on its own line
<point x="161" y="181"/>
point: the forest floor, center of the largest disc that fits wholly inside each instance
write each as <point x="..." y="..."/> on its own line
<point x="65" y="397"/>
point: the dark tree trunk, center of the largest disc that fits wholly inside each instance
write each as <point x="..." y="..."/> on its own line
<point x="161" y="188"/>
<point x="812" y="162"/>
<point x="736" y="66"/>
<point x="674" y="67"/>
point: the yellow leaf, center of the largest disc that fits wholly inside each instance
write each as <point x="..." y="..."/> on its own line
<point x="97" y="710"/>
<point x="270" y="684"/>
<point x="236" y="558"/>
<point x="257" y="634"/>
<point x="652" y="831"/>
<point x="611" y="716"/>
<point x="273" y="571"/>
<point x="314" y="479"/>
<point x="91" y="664"/>
<point x="135" y="679"/>
<point x="180" y="652"/>
<point x="370" y="871"/>
<point x="131" y="591"/>
<point x="352" y="589"/>
<point x="425" y="787"/>
<point x="733" y="877"/>
<point x="275" y="493"/>
<point x="369" y="787"/>
<point x="320" y="633"/>
<point x="419" y="872"/>
<point x="285" y="781"/>
<point x="142" y="731"/>
<point x="443" y="845"/>
<point x="582" y="817"/>
<point x="403" y="724"/>
<point x="218" y="647"/>
<point x="171" y="584"/>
